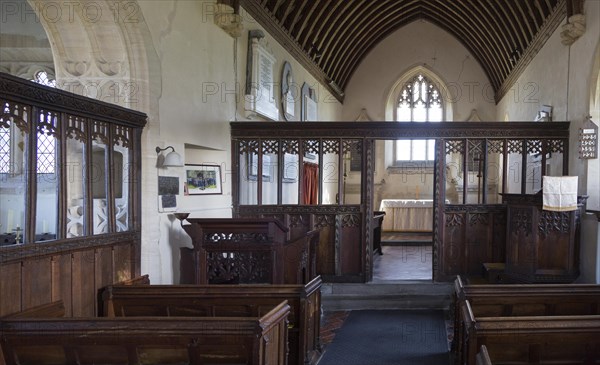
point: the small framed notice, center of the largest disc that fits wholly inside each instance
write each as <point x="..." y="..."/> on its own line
<point x="588" y="140"/>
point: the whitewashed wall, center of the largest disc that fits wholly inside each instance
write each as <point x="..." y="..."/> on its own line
<point x="417" y="44"/>
<point x="564" y="77"/>
<point x="202" y="70"/>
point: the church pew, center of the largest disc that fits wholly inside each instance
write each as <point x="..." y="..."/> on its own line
<point x="246" y="251"/>
<point x="228" y="300"/>
<point x="531" y="339"/>
<point x="509" y="300"/>
<point x="147" y="340"/>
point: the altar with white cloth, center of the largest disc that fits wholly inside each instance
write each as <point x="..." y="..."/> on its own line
<point x="407" y="215"/>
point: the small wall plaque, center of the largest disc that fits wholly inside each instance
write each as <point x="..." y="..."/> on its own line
<point x="588" y="140"/>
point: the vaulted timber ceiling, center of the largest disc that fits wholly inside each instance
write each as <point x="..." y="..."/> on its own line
<point x="331" y="37"/>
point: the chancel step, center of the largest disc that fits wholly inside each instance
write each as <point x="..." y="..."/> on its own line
<point x="395" y="295"/>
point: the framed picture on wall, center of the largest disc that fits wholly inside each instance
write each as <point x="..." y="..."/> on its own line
<point x="203" y="179"/>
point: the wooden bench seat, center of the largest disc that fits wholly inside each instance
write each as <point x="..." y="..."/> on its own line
<point x="543" y="300"/>
<point x="147" y="340"/>
<point x="231" y="301"/>
<point x="532" y="339"/>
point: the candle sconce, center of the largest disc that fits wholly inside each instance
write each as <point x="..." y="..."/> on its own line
<point x="181" y="217"/>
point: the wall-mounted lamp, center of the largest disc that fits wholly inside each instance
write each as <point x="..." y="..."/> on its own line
<point x="172" y="159"/>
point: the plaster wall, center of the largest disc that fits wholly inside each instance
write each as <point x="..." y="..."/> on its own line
<point x="565" y="78"/>
<point x="202" y="70"/>
<point x="417" y="44"/>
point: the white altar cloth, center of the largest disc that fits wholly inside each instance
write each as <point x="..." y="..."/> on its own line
<point x="407" y="215"/>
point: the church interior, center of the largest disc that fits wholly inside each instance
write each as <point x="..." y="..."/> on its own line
<point x="308" y="182"/>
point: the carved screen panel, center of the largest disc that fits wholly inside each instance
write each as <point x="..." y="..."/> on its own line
<point x="47" y="176"/>
<point x="494" y="171"/>
<point x="351" y="178"/>
<point x="454" y="171"/>
<point x="121" y="175"/>
<point x="290" y="173"/>
<point x="248" y="182"/>
<point x="270" y="171"/>
<point x="475" y="171"/>
<point x="75" y="154"/>
<point x="99" y="177"/>
<point x="331" y="171"/>
<point x="514" y="166"/>
<point x="13" y="144"/>
<point x="533" y="174"/>
<point x="555" y="150"/>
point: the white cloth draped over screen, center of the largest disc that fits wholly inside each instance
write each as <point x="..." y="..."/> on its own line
<point x="560" y="193"/>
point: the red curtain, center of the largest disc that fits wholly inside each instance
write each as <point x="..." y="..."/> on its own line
<point x="310" y="184"/>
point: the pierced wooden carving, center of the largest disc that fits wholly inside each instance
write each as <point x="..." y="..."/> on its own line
<point x="495" y="146"/>
<point x="270" y="146"/>
<point x="290" y="146"/>
<point x="352" y="146"/>
<point x="515" y="146"/>
<point x="311" y="146"/>
<point x="48" y="123"/>
<point x="297" y="221"/>
<point x="455" y="147"/>
<point x="248" y="146"/>
<point x="122" y="136"/>
<point x="479" y="218"/>
<point x="554" y="222"/>
<point x="235" y="237"/>
<point x="330" y="146"/>
<point x="556" y="145"/>
<point x="76" y="128"/>
<point x="475" y="146"/>
<point x="454" y="220"/>
<point x="351" y="220"/>
<point x="521" y="222"/>
<point x="322" y="220"/>
<point x="100" y="132"/>
<point x="534" y="146"/>
<point x="238" y="267"/>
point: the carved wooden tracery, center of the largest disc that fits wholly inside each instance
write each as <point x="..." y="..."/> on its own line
<point x="477" y="222"/>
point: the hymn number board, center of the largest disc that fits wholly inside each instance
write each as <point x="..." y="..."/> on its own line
<point x="588" y="140"/>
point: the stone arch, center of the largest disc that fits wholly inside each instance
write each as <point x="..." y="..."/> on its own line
<point x="104" y="50"/>
<point x="101" y="49"/>
<point x="407" y="75"/>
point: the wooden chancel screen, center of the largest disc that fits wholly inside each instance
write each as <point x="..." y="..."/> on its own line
<point x="69" y="197"/>
<point x="476" y="163"/>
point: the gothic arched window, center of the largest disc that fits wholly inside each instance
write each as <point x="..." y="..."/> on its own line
<point x="419" y="101"/>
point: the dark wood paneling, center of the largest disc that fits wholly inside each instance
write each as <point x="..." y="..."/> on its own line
<point x="62" y="281"/>
<point x="472" y="235"/>
<point x="326" y="252"/>
<point x="340" y="250"/>
<point x="37" y="282"/>
<point x="10" y="288"/>
<point x="84" y="304"/>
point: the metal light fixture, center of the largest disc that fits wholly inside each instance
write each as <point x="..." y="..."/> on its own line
<point x="172" y="159"/>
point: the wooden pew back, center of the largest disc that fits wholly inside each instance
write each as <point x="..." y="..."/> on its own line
<point x="147" y="340"/>
<point x="530" y="299"/>
<point x="520" y="300"/>
<point x="531" y="339"/>
<point x="247" y="251"/>
<point x="231" y="301"/>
